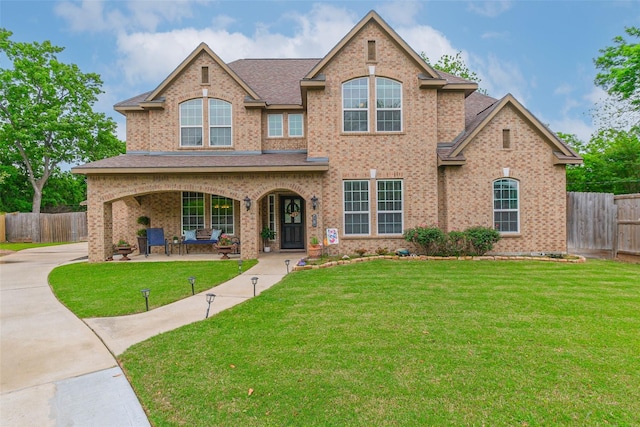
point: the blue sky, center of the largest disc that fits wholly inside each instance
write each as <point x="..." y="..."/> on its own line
<point x="540" y="51"/>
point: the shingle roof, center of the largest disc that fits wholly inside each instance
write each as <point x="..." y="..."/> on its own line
<point x="203" y="162"/>
<point x="277" y="81"/>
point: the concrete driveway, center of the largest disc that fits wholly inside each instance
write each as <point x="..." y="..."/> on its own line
<point x="53" y="369"/>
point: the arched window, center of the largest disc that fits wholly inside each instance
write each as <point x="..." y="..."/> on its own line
<point x="506" y="205"/>
<point x="191" y="123"/>
<point x="355" y="105"/>
<point x="388" y="105"/>
<point x="219" y="123"/>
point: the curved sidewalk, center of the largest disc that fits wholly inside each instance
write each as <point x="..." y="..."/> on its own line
<point x="55" y="371"/>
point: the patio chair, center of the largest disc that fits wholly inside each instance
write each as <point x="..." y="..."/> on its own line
<point x="155" y="237"/>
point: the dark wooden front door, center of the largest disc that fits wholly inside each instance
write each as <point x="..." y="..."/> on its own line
<point x="292" y="222"/>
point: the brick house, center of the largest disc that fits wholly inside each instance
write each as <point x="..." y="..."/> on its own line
<point x="369" y="140"/>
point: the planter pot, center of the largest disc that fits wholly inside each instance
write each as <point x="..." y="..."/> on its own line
<point x="314" y="251"/>
<point x="124" y="251"/>
<point x="267" y="249"/>
<point x="225" y="251"/>
<point x="142" y="245"/>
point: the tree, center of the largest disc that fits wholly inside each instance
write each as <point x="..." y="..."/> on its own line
<point x="455" y="65"/>
<point x="611" y="162"/>
<point x="46" y="114"/>
<point x="620" y="68"/>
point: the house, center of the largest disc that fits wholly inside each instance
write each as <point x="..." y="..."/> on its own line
<point x="368" y="140"/>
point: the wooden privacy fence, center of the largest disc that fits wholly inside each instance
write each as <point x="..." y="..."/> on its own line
<point x="63" y="227"/>
<point x="604" y="222"/>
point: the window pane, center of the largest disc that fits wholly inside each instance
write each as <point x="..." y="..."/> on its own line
<point x="275" y="125"/>
<point x="222" y="214"/>
<point x="295" y="125"/>
<point x="191" y="123"/>
<point x="220" y="136"/>
<point x="390" y="207"/>
<point x="192" y="210"/>
<point x="191" y="137"/>
<point x="388" y="105"/>
<point x="505" y="205"/>
<point x="356" y="207"/>
<point x="355" y="104"/>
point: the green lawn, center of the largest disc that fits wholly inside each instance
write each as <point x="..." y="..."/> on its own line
<point x="113" y="289"/>
<point x="20" y="246"/>
<point x="408" y="343"/>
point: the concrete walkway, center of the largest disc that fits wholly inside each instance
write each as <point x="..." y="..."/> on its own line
<point x="55" y="371"/>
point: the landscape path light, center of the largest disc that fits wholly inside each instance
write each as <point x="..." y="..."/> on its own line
<point x="254" y="282"/>
<point x="210" y="298"/>
<point x="192" y="280"/>
<point x="239" y="266"/>
<point x="286" y="262"/>
<point x="145" y="293"/>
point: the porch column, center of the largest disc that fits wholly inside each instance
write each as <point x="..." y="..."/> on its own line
<point x="249" y="238"/>
<point x="100" y="225"/>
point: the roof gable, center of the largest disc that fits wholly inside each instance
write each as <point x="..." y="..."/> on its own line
<point x="454" y="154"/>
<point x="372" y="16"/>
<point x="202" y="47"/>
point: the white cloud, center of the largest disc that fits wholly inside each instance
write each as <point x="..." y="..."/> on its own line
<point x="399" y="12"/>
<point x="580" y="128"/>
<point x="490" y="9"/>
<point x="500" y="77"/>
<point x="426" y="39"/>
<point x="99" y="15"/>
<point x="563" y="89"/>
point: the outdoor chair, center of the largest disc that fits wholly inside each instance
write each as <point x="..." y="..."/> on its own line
<point x="155" y="237"/>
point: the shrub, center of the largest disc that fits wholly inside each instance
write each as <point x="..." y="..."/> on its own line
<point x="473" y="241"/>
<point x="431" y="239"/>
<point x="382" y="251"/>
<point x="360" y="251"/>
<point x="482" y="239"/>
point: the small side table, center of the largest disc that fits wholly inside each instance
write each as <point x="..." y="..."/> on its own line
<point x="172" y="245"/>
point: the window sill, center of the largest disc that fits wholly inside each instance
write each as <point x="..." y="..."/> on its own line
<point x="371" y="237"/>
<point x="372" y="133"/>
<point x="510" y="235"/>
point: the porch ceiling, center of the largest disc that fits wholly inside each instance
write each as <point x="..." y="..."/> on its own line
<point x="202" y="162"/>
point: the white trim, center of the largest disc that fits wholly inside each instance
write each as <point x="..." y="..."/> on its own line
<point x="400" y="211"/>
<point x="230" y="125"/>
<point x="377" y="79"/>
<point x="367" y="109"/>
<point x="301" y="125"/>
<point x="345" y="212"/>
<point x="184" y="103"/>
<point x="517" y="210"/>
<point x="269" y="129"/>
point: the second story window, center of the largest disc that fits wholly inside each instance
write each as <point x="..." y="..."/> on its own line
<point x="191" y="123"/>
<point x="355" y="105"/>
<point x="388" y="105"/>
<point x="295" y="125"/>
<point x="274" y="122"/>
<point x="219" y="123"/>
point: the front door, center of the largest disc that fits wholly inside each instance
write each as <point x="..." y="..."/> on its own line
<point x="292" y="222"/>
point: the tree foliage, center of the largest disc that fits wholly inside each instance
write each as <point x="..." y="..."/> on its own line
<point x="611" y="162"/>
<point x="455" y="65"/>
<point x="619" y="67"/>
<point x="46" y="114"/>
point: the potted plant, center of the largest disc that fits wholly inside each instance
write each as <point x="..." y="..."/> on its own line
<point x="315" y="249"/>
<point x="267" y="234"/>
<point x="124" y="249"/>
<point x="176" y="239"/>
<point x="142" y="234"/>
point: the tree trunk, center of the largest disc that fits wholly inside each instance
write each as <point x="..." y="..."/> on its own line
<point x="35" y="208"/>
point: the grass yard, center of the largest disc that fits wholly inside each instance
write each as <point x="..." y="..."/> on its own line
<point x="408" y="343"/>
<point x="7" y="246"/>
<point x="113" y="289"/>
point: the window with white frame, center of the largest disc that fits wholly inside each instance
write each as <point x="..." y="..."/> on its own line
<point x="355" y="105"/>
<point x="388" y="105"/>
<point x="274" y="123"/>
<point x="295" y="125"/>
<point x="506" y="212"/>
<point x="191" y="123"/>
<point x="222" y="214"/>
<point x="390" y="206"/>
<point x="356" y="207"/>
<point x="219" y="123"/>
<point x="192" y="210"/>
<point x="272" y="211"/>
